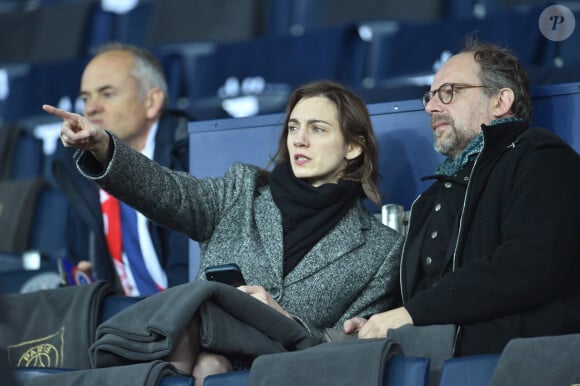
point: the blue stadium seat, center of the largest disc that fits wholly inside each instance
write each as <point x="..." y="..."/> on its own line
<point x="35" y="84"/>
<point x="18" y="280"/>
<point x="28" y="156"/>
<point x="131" y="27"/>
<point x="296" y="17"/>
<point x="113" y="304"/>
<point x="234" y="378"/>
<point x="556" y="108"/>
<point x="48" y="234"/>
<point x="474" y="370"/>
<point x="407" y="371"/>
<point x="46" y="243"/>
<point x="394" y="61"/>
<point x="21" y="154"/>
<point x="23" y="376"/>
<point x="401" y="371"/>
<point x="515" y="28"/>
<point x="272" y="65"/>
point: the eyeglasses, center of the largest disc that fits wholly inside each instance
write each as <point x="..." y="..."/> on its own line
<point x="447" y="91"/>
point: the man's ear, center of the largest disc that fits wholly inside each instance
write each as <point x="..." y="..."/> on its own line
<point x="503" y="103"/>
<point x="154" y="103"/>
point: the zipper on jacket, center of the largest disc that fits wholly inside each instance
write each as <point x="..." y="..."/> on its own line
<point x="460" y="231"/>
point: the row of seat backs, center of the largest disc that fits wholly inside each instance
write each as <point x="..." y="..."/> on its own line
<point x="156" y="22"/>
<point x="476" y="370"/>
<point x="380" y="59"/>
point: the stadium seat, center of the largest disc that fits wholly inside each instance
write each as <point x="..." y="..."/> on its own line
<point x="132" y="27"/>
<point x="48" y="234"/>
<point x="21" y="154"/>
<point x="34" y="266"/>
<point x="113" y="304"/>
<point x="474" y="370"/>
<point x="296" y="17"/>
<point x="407" y="371"/>
<point x="271" y="66"/>
<point x="35" y="84"/>
<point x="234" y="378"/>
<point x="401" y="371"/>
<point x="556" y="108"/>
<point x="392" y="61"/>
<point x="28" y="157"/>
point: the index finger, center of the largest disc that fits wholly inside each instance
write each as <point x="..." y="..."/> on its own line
<point x="65" y="115"/>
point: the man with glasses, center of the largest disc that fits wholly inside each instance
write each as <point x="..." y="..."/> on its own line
<point x="493" y="246"/>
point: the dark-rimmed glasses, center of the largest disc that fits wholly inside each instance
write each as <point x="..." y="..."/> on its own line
<point x="447" y="91"/>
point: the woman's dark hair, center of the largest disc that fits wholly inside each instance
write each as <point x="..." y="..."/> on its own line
<point x="500" y="68"/>
<point x="356" y="127"/>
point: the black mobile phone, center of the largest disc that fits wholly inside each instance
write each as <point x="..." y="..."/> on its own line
<point x="226" y="273"/>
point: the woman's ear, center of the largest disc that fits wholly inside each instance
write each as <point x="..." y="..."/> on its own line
<point x="353" y="150"/>
<point x="154" y="103"/>
<point x="503" y="103"/>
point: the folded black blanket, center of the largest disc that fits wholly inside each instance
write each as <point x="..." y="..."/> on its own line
<point x="341" y="363"/>
<point x="231" y="323"/>
<point x="545" y="361"/>
<point x="142" y="374"/>
<point x="51" y="328"/>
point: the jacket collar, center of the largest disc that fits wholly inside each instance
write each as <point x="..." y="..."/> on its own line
<point x="500" y="135"/>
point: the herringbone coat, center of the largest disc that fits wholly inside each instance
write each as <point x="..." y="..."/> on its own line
<point x="352" y="271"/>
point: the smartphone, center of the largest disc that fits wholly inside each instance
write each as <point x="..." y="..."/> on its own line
<point x="71" y="275"/>
<point x="226" y="273"/>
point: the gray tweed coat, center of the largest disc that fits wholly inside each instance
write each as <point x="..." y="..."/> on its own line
<point x="352" y="271"/>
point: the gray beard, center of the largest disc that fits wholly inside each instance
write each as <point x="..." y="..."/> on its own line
<point x="453" y="144"/>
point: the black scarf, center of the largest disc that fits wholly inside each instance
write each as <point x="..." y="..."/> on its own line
<point x="308" y="212"/>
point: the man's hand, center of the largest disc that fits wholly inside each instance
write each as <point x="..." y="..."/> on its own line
<point x="260" y="293"/>
<point x="85" y="266"/>
<point x="78" y="132"/>
<point x="378" y="324"/>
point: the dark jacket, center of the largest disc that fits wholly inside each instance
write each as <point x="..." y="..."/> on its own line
<point x="85" y="235"/>
<point x="514" y="269"/>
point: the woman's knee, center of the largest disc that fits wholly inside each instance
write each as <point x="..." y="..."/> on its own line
<point x="209" y="364"/>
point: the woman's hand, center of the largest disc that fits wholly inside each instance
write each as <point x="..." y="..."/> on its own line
<point x="260" y="293"/>
<point x="353" y="325"/>
<point x="78" y="132"/>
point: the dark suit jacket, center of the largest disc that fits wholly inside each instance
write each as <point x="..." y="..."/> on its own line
<point x="85" y="235"/>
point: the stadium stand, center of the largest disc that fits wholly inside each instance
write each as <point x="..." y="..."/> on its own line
<point x="238" y="58"/>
